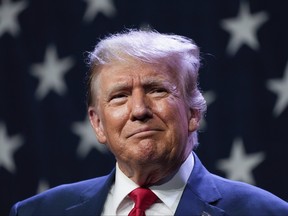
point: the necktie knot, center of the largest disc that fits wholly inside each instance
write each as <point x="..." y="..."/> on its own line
<point x="143" y="199"/>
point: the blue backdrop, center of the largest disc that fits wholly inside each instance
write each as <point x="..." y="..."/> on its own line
<point x="45" y="138"/>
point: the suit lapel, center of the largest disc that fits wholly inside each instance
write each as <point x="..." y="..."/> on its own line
<point x="93" y="198"/>
<point x="197" y="199"/>
<point x="199" y="194"/>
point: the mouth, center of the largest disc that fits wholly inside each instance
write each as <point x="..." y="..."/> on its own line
<point x="144" y="132"/>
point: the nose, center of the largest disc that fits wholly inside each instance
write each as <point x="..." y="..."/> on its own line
<point x="140" y="108"/>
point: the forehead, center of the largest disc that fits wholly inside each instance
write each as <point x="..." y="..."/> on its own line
<point x="136" y="71"/>
<point x="122" y="75"/>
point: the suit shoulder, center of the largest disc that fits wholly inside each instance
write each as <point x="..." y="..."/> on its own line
<point x="243" y="196"/>
<point x="59" y="197"/>
<point x="71" y="188"/>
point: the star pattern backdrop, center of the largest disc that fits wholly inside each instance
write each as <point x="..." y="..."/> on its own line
<point x="45" y="136"/>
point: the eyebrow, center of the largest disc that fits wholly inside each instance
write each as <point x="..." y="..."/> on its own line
<point x="146" y="83"/>
<point x="153" y="82"/>
<point x="117" y="87"/>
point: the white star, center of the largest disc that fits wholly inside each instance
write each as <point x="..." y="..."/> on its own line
<point x="243" y="28"/>
<point x="8" y="16"/>
<point x="240" y="165"/>
<point x="96" y="6"/>
<point x="51" y="73"/>
<point x="210" y="97"/>
<point x="88" y="139"/>
<point x="280" y="87"/>
<point x="8" y="146"/>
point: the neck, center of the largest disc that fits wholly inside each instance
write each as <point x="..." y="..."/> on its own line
<point x="150" y="174"/>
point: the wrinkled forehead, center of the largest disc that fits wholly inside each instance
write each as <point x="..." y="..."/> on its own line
<point x="128" y="70"/>
<point x="135" y="69"/>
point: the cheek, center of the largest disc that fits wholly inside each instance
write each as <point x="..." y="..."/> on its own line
<point x="115" y="120"/>
<point x="176" y="117"/>
<point x="117" y="114"/>
<point x="164" y="107"/>
<point x="173" y="110"/>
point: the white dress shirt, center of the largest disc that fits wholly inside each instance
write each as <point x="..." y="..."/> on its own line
<point x="169" y="193"/>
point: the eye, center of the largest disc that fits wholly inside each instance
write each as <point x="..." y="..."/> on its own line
<point x="159" y="91"/>
<point x="119" y="96"/>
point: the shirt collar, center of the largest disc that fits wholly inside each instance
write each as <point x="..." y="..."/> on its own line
<point x="169" y="192"/>
<point x="122" y="187"/>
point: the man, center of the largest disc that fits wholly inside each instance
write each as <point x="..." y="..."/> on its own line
<point x="145" y="106"/>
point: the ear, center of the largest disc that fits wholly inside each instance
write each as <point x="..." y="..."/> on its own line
<point x="194" y="118"/>
<point x="97" y="125"/>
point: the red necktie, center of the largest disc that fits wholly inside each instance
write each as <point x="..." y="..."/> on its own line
<point x="143" y="199"/>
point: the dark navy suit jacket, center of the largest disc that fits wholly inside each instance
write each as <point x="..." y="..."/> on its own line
<point x="205" y="194"/>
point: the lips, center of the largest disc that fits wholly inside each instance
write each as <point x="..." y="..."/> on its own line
<point x="144" y="131"/>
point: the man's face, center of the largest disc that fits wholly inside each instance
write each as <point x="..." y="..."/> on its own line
<point x="141" y="114"/>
